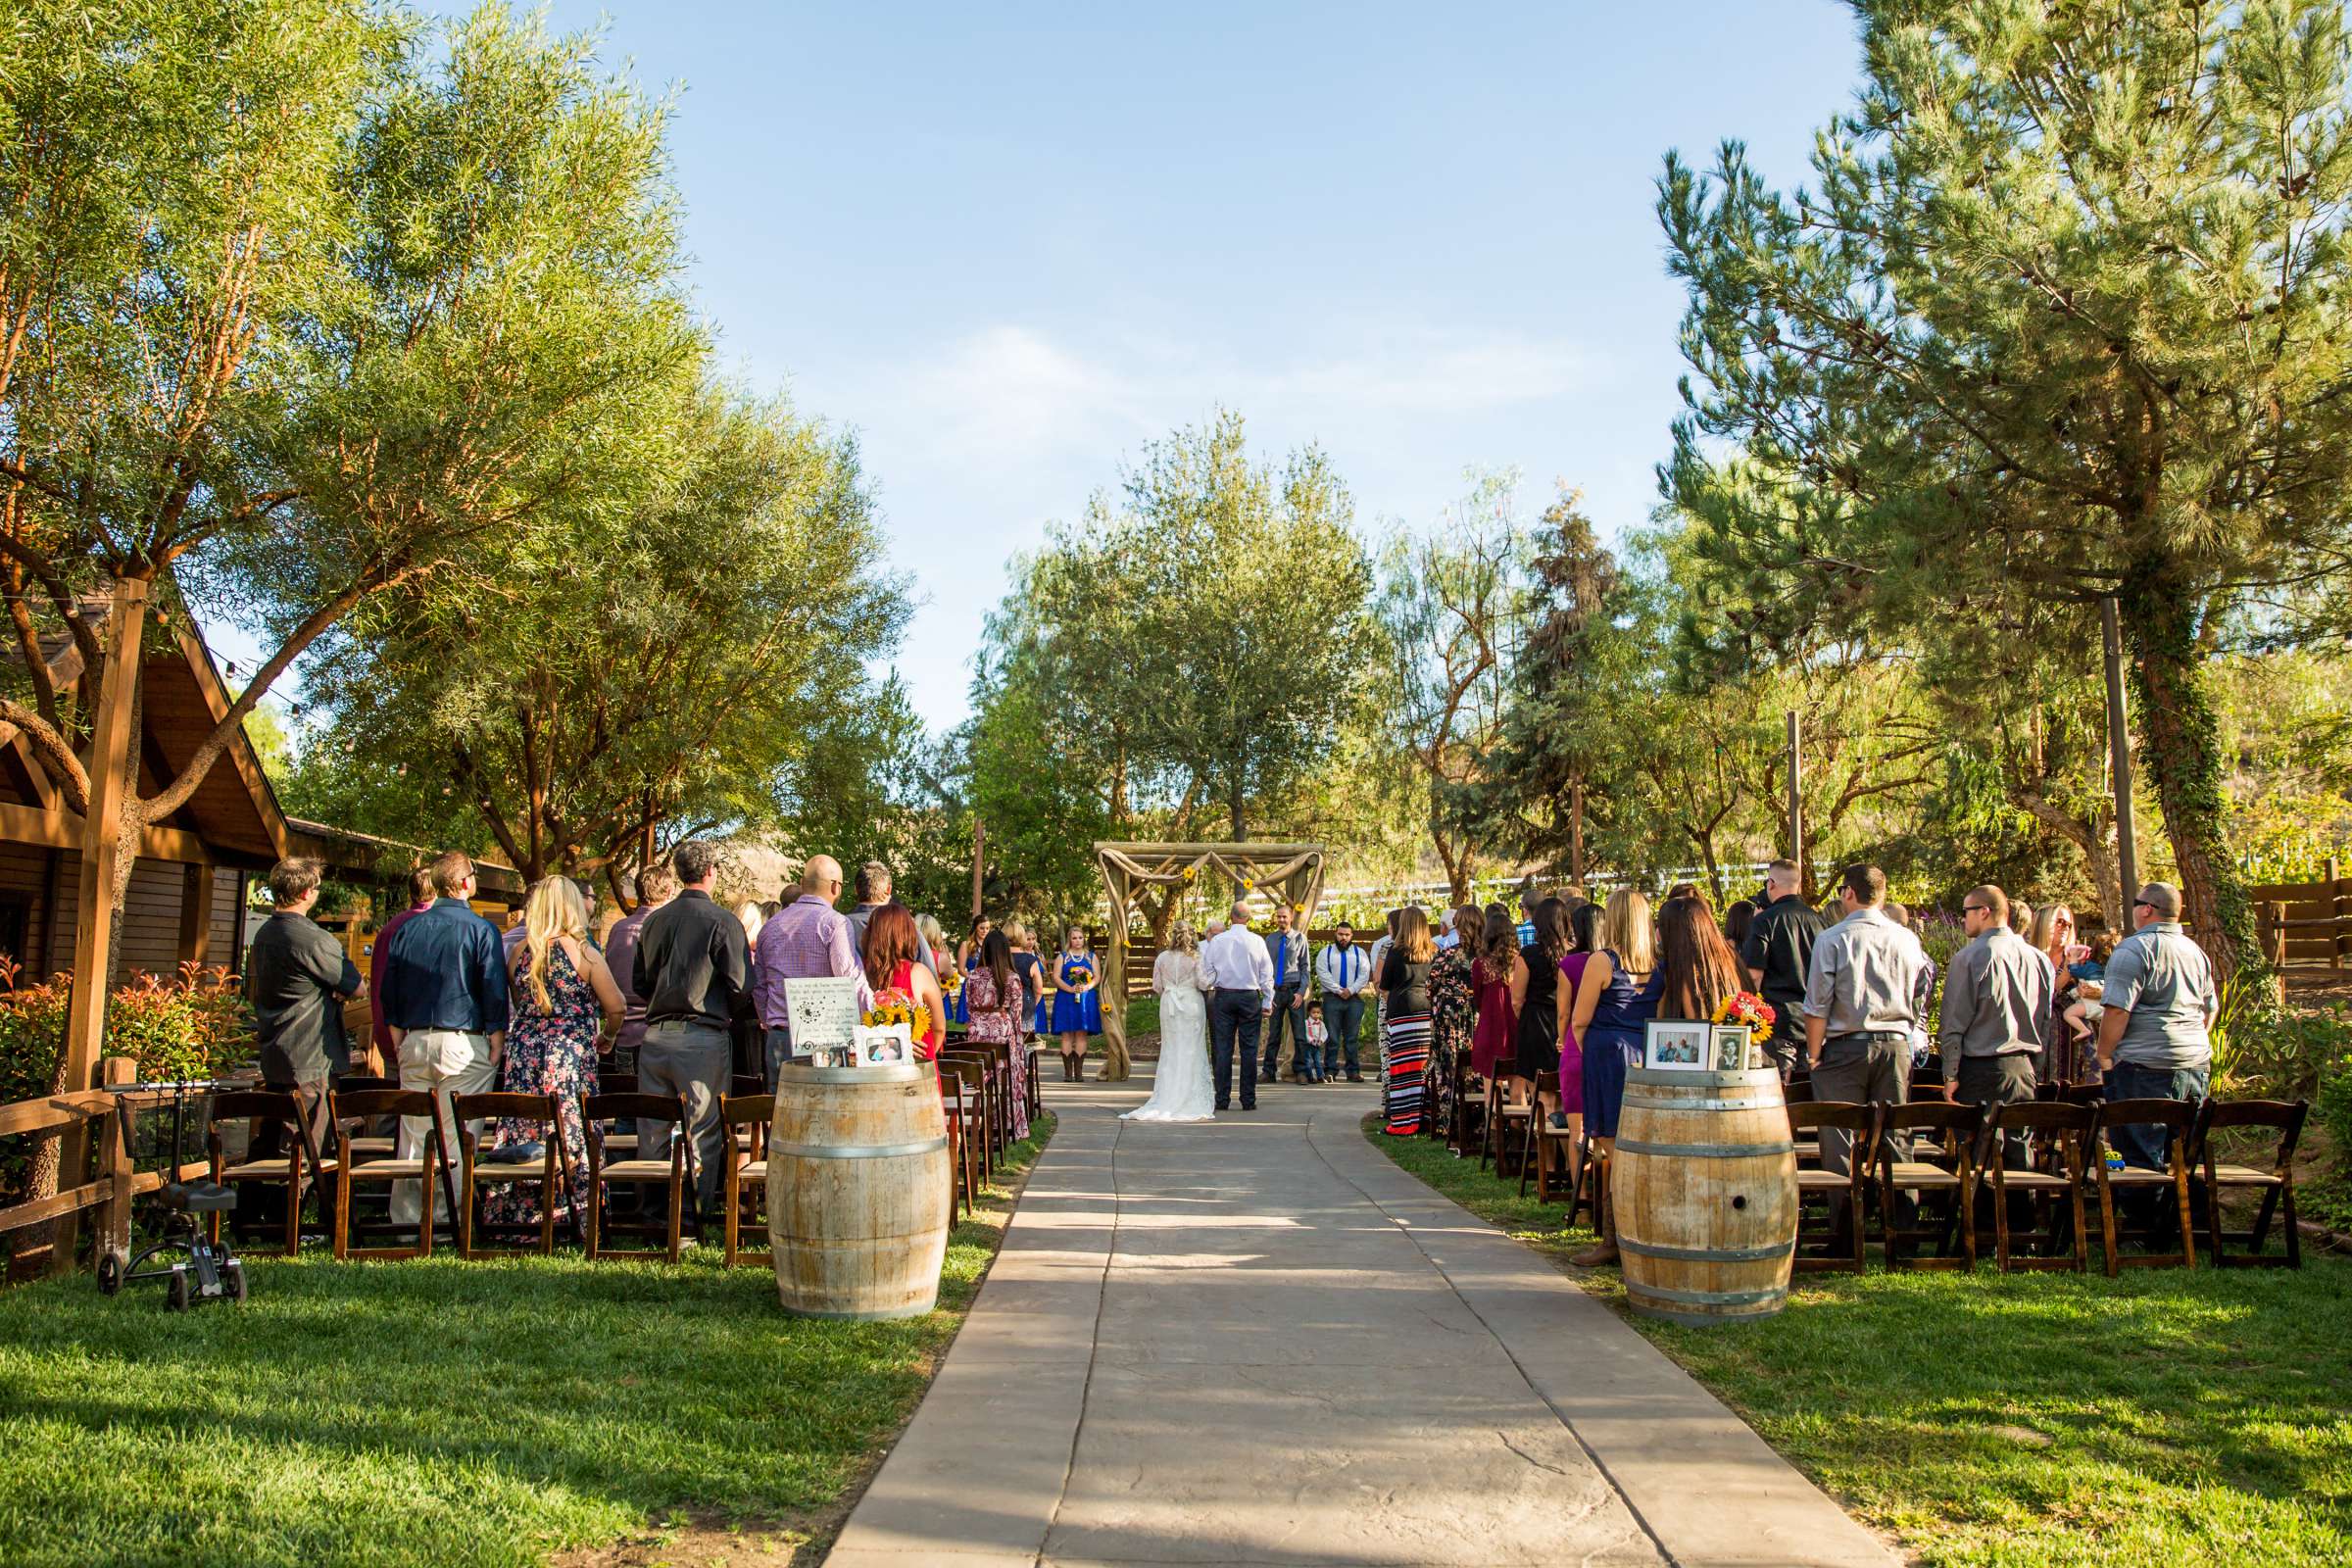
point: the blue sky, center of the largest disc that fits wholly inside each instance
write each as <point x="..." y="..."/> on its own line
<point x="1008" y="244"/>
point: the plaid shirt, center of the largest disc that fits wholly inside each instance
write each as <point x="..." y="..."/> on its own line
<point x="807" y="940"/>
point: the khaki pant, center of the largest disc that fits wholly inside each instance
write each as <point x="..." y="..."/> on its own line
<point x="446" y="1063"/>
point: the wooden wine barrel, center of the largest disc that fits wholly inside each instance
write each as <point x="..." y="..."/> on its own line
<point x="857" y="1190"/>
<point x="1704" y="1179"/>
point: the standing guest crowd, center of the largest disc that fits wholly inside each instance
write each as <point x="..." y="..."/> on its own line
<point x="683" y="993"/>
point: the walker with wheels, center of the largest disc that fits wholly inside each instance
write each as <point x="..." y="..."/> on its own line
<point x="190" y="1268"/>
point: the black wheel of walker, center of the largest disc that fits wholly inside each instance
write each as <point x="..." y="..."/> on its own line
<point x="175" y="1294"/>
<point x="109" y="1274"/>
<point x="236" y="1283"/>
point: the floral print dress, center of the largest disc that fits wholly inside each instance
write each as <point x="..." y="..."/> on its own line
<point x="1453" y="1021"/>
<point x="550" y="1053"/>
<point x="1000" y="1021"/>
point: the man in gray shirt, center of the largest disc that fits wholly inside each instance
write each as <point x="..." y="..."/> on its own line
<point x="1862" y="991"/>
<point x="2155" y="1035"/>
<point x="1997" y="1011"/>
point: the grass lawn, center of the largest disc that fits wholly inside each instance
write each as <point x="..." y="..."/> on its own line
<point x="2164" y="1417"/>
<point x="449" y="1412"/>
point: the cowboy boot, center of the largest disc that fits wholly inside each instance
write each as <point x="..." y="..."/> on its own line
<point x="1603" y="1252"/>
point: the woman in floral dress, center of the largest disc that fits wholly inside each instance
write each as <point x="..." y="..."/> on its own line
<point x="1453" y="1013"/>
<point x="997" y="1003"/>
<point x="566" y="1009"/>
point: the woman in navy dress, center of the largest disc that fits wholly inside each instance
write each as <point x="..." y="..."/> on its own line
<point x="1077" y="1002"/>
<point x="1615" y="998"/>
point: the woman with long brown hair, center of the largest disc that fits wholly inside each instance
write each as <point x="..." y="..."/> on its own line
<point x="997" y="1006"/>
<point x="1698" y="971"/>
<point x="893" y="962"/>
<point x="1404" y="1026"/>
<point x="1497" y="974"/>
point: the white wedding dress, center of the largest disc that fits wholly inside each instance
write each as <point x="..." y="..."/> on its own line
<point x="1181" y="1089"/>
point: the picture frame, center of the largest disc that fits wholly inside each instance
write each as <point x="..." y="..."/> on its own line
<point x="1676" y="1045"/>
<point x="1734" y="1047"/>
<point x="892" y="1046"/>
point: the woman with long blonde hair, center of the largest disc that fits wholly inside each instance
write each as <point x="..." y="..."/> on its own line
<point x="1404" y="1025"/>
<point x="1614" y="999"/>
<point x="566" y="1009"/>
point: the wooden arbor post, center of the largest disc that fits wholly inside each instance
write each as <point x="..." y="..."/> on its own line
<point x="1294" y="871"/>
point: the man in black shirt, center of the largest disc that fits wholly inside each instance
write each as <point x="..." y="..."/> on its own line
<point x="297" y="978"/>
<point x="694" y="969"/>
<point x="1779" y="955"/>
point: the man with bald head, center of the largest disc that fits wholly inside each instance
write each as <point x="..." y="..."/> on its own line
<point x="1238" y="973"/>
<point x="806" y="940"/>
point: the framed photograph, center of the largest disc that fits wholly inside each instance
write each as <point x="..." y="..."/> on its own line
<point x="1734" y="1049"/>
<point x="891" y="1047"/>
<point x="1678" y="1045"/>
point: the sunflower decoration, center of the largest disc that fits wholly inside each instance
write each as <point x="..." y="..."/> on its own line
<point x="1248" y="886"/>
<point x="894" y="1008"/>
<point x="1192" y="874"/>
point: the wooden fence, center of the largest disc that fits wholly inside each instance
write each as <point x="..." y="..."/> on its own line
<point x="114" y="1183"/>
<point x="2305" y="925"/>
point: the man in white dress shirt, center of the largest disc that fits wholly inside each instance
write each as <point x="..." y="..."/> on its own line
<point x="1347" y="975"/>
<point x="1238" y="973"/>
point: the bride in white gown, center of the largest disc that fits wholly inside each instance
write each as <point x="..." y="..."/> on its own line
<point x="1181" y="1089"/>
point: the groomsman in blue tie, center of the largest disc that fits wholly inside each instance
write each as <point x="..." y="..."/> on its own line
<point x="1289" y="948"/>
<point x="1346" y="973"/>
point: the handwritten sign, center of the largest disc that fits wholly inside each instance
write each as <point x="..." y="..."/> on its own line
<point x="823" y="1012"/>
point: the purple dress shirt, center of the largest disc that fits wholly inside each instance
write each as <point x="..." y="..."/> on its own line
<point x="620" y="957"/>
<point x="806" y="940"/>
<point x="380" y="1035"/>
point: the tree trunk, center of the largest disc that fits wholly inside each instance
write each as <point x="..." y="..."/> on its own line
<point x="2180" y="752"/>
<point x="1576" y="830"/>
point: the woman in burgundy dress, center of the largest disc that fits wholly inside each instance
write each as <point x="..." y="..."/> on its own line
<point x="1496" y="965"/>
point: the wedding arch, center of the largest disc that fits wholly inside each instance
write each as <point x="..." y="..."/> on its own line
<point x="1290" y="872"/>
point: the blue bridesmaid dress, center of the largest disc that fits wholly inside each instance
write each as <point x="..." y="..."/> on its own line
<point x="1077" y="1014"/>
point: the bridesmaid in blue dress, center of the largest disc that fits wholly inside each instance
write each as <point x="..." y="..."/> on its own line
<point x="968" y="960"/>
<point x="1077" y="1002"/>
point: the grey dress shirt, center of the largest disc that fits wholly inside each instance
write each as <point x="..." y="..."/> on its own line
<point x="1866" y="976"/>
<point x="1996" y="1000"/>
<point x="2165" y="982"/>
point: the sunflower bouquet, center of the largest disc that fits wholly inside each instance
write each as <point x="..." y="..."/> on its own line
<point x="1748" y="1009"/>
<point x="894" y="1008"/>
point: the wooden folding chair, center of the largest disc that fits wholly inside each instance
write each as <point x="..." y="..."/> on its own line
<point x="963" y="1098"/>
<point x="746" y="1118"/>
<point x="1945" y="1166"/>
<point x="1828" y="1186"/>
<point x="981" y="1132"/>
<point x="294" y="1170"/>
<point x="2065" y="1131"/>
<point x="1591" y="1190"/>
<point x="1510" y="1102"/>
<point x="1466" y="1113"/>
<point x="1033" y="1085"/>
<point x="354" y="1152"/>
<point x="2179" y="1120"/>
<point x="641" y="1109"/>
<point x="2276" y="1185"/>
<point x="1542" y="1144"/>
<point x="537" y="1112"/>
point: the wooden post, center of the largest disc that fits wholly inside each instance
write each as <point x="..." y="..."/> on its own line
<point x="1796" y="810"/>
<point x="979" y="850"/>
<point x="2119" y="750"/>
<point x="110" y="754"/>
<point x="1115" y="1061"/>
<point x="195" y="913"/>
<point x="115" y="1158"/>
<point x="2273" y="933"/>
<point x="2335" y="914"/>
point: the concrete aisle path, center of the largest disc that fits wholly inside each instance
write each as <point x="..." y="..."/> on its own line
<point x="1257" y="1341"/>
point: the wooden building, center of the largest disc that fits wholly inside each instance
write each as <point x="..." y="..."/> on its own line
<point x="187" y="895"/>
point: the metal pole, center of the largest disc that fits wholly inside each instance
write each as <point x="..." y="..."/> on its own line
<point x="1796" y="817"/>
<point x="2119" y="750"/>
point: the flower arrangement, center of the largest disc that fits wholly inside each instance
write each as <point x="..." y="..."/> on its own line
<point x="1192" y="873"/>
<point x="1747" y="1008"/>
<point x="951" y="981"/>
<point x="894" y="1008"/>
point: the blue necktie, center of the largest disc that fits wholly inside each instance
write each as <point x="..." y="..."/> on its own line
<point x="1282" y="957"/>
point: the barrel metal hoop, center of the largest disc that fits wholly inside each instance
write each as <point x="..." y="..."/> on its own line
<point x="926" y="1145"/>
<point x="1706" y="1254"/>
<point x="1645" y="1102"/>
<point x="1707" y="1150"/>
<point x="1660" y="1292"/>
<point x="1704" y="1320"/>
<point x="904" y="1073"/>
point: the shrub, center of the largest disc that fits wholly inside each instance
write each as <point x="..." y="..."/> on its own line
<point x="192" y="1026"/>
<point x="2262" y="1049"/>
